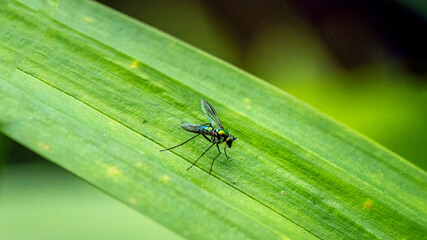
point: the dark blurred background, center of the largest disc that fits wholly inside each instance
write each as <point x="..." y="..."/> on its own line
<point x="364" y="63"/>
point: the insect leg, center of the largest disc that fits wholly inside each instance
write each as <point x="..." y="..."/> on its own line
<point x="219" y="153"/>
<point x="201" y="156"/>
<point x="180" y="144"/>
<point x="207" y="138"/>
<point x="225" y="151"/>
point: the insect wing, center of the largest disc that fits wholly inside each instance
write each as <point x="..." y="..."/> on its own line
<point x="211" y="114"/>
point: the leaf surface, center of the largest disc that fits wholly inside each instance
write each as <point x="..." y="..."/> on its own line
<point x="100" y="94"/>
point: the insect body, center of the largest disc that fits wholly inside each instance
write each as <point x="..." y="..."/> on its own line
<point x="213" y="131"/>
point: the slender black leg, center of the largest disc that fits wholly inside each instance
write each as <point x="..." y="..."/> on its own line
<point x="207" y="138"/>
<point x="201" y="156"/>
<point x="225" y="151"/>
<point x="219" y="153"/>
<point x="180" y="144"/>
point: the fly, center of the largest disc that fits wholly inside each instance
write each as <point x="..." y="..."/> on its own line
<point x="213" y="131"/>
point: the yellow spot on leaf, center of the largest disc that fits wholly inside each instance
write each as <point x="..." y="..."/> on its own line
<point x="138" y="164"/>
<point x="282" y="192"/>
<point x="44" y="146"/>
<point x="165" y="179"/>
<point x="247" y="101"/>
<point x="87" y="19"/>
<point x="132" y="200"/>
<point x="113" y="171"/>
<point x="134" y="64"/>
<point x="368" y="204"/>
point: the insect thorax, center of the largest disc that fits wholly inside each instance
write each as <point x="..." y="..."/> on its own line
<point x="218" y="134"/>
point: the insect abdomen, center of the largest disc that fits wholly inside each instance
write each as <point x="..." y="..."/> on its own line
<point x="195" y="128"/>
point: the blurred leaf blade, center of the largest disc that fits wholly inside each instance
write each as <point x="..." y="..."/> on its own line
<point x="99" y="94"/>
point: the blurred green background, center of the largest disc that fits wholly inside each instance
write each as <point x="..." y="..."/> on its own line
<point x="362" y="63"/>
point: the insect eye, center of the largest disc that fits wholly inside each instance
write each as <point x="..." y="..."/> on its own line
<point x="229" y="142"/>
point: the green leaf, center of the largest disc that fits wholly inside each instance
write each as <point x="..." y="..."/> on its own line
<point x="100" y="94"/>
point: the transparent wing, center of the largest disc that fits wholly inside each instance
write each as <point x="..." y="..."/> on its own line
<point x="211" y="114"/>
